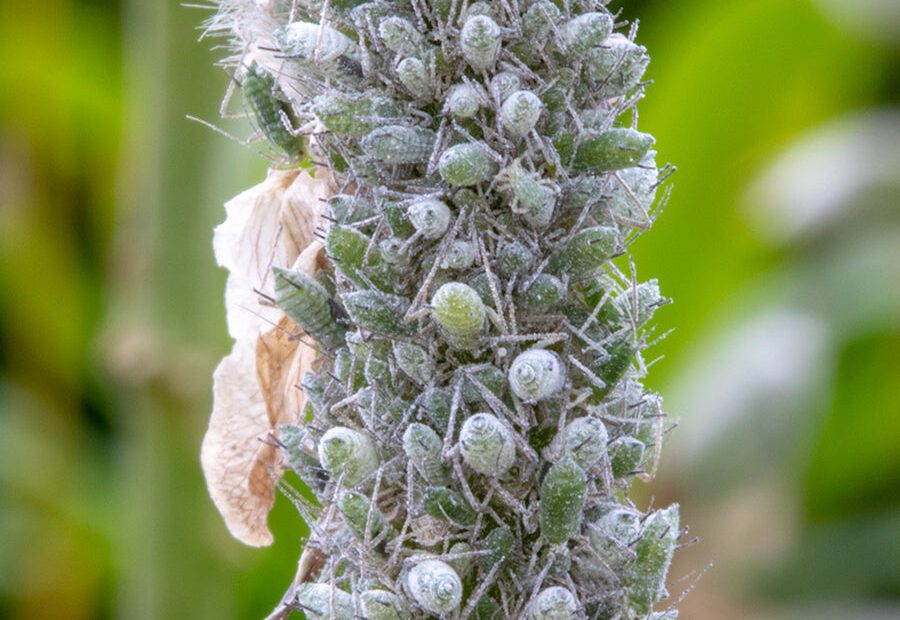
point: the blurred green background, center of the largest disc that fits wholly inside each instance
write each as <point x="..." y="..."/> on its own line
<point x="780" y="246"/>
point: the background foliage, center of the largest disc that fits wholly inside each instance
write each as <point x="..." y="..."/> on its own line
<point x="781" y="247"/>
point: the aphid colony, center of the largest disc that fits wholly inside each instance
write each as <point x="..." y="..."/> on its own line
<point x="477" y="416"/>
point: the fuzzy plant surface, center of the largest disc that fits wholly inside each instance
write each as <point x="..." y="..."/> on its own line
<point x="475" y="417"/>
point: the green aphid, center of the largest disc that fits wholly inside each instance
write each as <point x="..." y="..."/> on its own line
<point x="459" y="311"/>
<point x="346" y="209"/>
<point x="490" y="377"/>
<point x="348" y="453"/>
<point x="351" y="252"/>
<point x="414" y="361"/>
<point x="501" y="544"/>
<point x="542" y="294"/>
<point x="466" y="165"/>
<point x="562" y="496"/>
<point x="343" y="366"/>
<point x="654" y="554"/>
<point x="448" y="505"/>
<point x="636" y="306"/>
<point x="357" y="510"/>
<point x="383" y="605"/>
<point x="625" y="455"/>
<point x="436" y="403"/>
<point x="422" y="447"/>
<point x="614" y="149"/>
<point x="321" y="601"/>
<point x="299" y="449"/>
<point x="398" y="220"/>
<point x="354" y="115"/>
<point x="380" y="313"/>
<point x="553" y="603"/>
<point x="398" y="144"/>
<point x="585" y="253"/>
<point x="415" y="77"/>
<point x="617" y="66"/>
<point x="487" y="608"/>
<point x="259" y="91"/>
<point x="481" y="285"/>
<point x="520" y="113"/>
<point x="400" y="35"/>
<point x="377" y="366"/>
<point x="621" y="349"/>
<point x="309" y="305"/>
<point x="514" y="258"/>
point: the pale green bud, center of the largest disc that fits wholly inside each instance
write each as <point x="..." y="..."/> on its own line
<point x="537" y="374"/>
<point x="430" y="217"/>
<point x="435" y="586"/>
<point x="480" y="42"/>
<point x="383" y="605"/>
<point x="400" y="35"/>
<point x="584" y="439"/>
<point x="466" y="164"/>
<point x="487" y="445"/>
<point x="586" y="31"/>
<point x="520" y="113"/>
<point x="562" y="495"/>
<point x="460" y="313"/>
<point x="423" y="448"/>
<point x="463" y="101"/>
<point x="348" y="453"/>
<point x="413" y="74"/>
<point x="654" y="554"/>
<point x="459" y="256"/>
<point x="398" y="144"/>
<point x="319" y="601"/>
<point x="553" y="603"/>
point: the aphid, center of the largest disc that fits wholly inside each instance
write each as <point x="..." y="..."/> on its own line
<point x="487" y="446"/>
<point x="448" y="505"/>
<point x="532" y="197"/>
<point x="514" y="258"/>
<point x="586" y="31"/>
<point x="617" y="66"/>
<point x="320" y="51"/>
<point x="348" y="453"/>
<point x="654" y="553"/>
<point x="357" y="511"/>
<point x="553" y="603"/>
<point x="398" y="144"/>
<point x="413" y="74"/>
<point x="459" y="311"/>
<point x="613" y="149"/>
<point x="562" y="500"/>
<point x="520" y="113"/>
<point x="586" y="252"/>
<point x="383" y="605"/>
<point x="466" y="164"/>
<point x="400" y="35"/>
<point x="459" y="256"/>
<point x="500" y="542"/>
<point x="537" y="374"/>
<point x="430" y="217"/>
<point x="271" y="112"/>
<point x="353" y="115"/>
<point x="584" y="439"/>
<point x="542" y="294"/>
<point x="379" y="313"/>
<point x="462" y="101"/>
<point x="310" y="305"/>
<point x="319" y="601"/>
<point x="435" y="586"/>
<point x="423" y="448"/>
<point x="490" y="377"/>
<point x="480" y="42"/>
<point x="626" y="454"/>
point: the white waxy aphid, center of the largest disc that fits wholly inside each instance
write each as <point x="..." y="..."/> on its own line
<point x="400" y="35"/>
<point x="463" y="101"/>
<point x="423" y="447"/>
<point x="553" y="603"/>
<point x="320" y="50"/>
<point x="487" y="445"/>
<point x="536" y="374"/>
<point x="460" y="255"/>
<point x="382" y="605"/>
<point x="617" y="66"/>
<point x="630" y="193"/>
<point x="414" y="361"/>
<point x="504" y="84"/>
<point x="586" y="31"/>
<point x="480" y="40"/>
<point x="430" y="217"/>
<point x="520" y="113"/>
<point x="461" y="564"/>
<point x="584" y="439"/>
<point x="392" y="250"/>
<point x="348" y="453"/>
<point x="414" y="76"/>
<point x="532" y="197"/>
<point x="435" y="586"/>
<point x="320" y="601"/>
